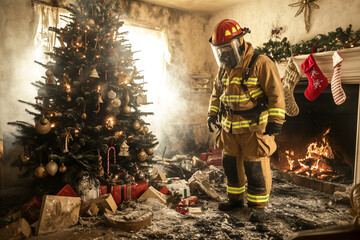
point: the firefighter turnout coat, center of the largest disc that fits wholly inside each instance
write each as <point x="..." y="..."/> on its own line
<point x="246" y="151"/>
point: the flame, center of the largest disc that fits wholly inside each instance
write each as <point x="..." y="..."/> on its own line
<point x="314" y="163"/>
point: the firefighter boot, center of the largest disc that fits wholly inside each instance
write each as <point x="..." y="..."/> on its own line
<point x="257" y="215"/>
<point x="230" y="205"/>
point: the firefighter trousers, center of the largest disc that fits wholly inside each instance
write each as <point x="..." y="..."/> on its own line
<point x="246" y="159"/>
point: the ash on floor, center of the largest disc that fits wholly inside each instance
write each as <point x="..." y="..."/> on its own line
<point x="291" y="209"/>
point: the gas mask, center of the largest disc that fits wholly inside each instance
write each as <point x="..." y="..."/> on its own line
<point x="228" y="54"/>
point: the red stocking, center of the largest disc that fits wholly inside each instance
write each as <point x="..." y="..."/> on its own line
<point x="317" y="81"/>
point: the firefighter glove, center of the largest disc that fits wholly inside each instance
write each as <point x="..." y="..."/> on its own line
<point x="273" y="128"/>
<point x="212" y="120"/>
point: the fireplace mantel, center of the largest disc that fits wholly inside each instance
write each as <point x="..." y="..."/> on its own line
<point x="350" y="74"/>
<point x="350" y="70"/>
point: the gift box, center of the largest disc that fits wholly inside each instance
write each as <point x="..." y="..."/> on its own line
<point x="67" y="191"/>
<point x="180" y="187"/>
<point x="125" y="192"/>
<point x="189" y="201"/>
<point x="164" y="190"/>
<point x="31" y="210"/>
<point x="210" y="152"/>
<point x="214" y="160"/>
<point x="103" y="190"/>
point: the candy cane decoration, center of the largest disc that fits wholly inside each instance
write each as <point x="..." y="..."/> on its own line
<point x="108" y="157"/>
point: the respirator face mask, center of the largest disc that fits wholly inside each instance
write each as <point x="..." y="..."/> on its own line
<point x="228" y="54"/>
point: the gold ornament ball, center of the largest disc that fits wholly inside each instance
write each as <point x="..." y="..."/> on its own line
<point x="83" y="116"/>
<point x="91" y="22"/>
<point x="49" y="73"/>
<point x="136" y="125"/>
<point x="116" y="102"/>
<point x="24" y="158"/>
<point x="126" y="109"/>
<point x="43" y="126"/>
<point x="51" y="168"/>
<point x="101" y="171"/>
<point x="142" y="156"/>
<point x="40" y="171"/>
<point x="141" y="175"/>
<point x="145" y="130"/>
<point x="62" y="168"/>
<point x="140" y="130"/>
<point x="150" y="151"/>
<point x="68" y="98"/>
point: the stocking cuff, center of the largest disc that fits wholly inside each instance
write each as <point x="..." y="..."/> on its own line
<point x="337" y="59"/>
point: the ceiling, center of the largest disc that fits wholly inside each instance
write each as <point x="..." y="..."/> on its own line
<point x="200" y="6"/>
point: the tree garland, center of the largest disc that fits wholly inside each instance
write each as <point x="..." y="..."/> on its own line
<point x="338" y="39"/>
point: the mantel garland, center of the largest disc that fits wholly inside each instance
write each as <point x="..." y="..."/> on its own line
<point x="338" y="39"/>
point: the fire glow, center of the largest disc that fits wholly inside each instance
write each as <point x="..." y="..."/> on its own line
<point x="314" y="164"/>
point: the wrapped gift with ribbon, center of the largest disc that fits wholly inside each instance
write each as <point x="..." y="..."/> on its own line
<point x="180" y="187"/>
<point x="188" y="201"/>
<point x="125" y="192"/>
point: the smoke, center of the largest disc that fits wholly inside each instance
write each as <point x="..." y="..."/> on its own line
<point x="17" y="68"/>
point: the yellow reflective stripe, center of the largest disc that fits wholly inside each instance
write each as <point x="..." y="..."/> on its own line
<point x="235" y="190"/>
<point x="214" y="109"/>
<point x="276" y="112"/>
<point x="236" y="80"/>
<point x="240" y="98"/>
<point x="254" y="198"/>
<point x="250" y="81"/>
<point x="227" y="33"/>
<point x="225" y="81"/>
<point x="243" y="124"/>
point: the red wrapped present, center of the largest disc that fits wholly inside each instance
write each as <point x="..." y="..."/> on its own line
<point x="210" y="152"/>
<point x="67" y="191"/>
<point x="214" y="160"/>
<point x="189" y="201"/>
<point x="31" y="210"/>
<point x="103" y="190"/>
<point x="204" y="156"/>
<point x="125" y="192"/>
<point x="164" y="190"/>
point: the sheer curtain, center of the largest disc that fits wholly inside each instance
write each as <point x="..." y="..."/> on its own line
<point x="44" y="39"/>
<point x="151" y="50"/>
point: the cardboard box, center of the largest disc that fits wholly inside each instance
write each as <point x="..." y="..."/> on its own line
<point x="194" y="210"/>
<point x="58" y="213"/>
<point x="106" y="202"/>
<point x="16" y="230"/>
<point x="151" y="192"/>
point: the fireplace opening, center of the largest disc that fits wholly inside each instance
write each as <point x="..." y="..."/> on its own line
<point x="320" y="142"/>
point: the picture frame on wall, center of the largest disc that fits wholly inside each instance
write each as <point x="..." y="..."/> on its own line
<point x="200" y="83"/>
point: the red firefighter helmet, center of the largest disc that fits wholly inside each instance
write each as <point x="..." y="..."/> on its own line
<point x="227" y="30"/>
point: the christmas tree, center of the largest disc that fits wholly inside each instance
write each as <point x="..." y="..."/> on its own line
<point x="88" y="123"/>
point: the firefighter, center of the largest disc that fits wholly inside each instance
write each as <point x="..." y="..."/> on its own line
<point x="247" y="104"/>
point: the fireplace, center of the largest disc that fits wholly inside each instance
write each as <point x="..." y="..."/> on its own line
<point x="320" y="142"/>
